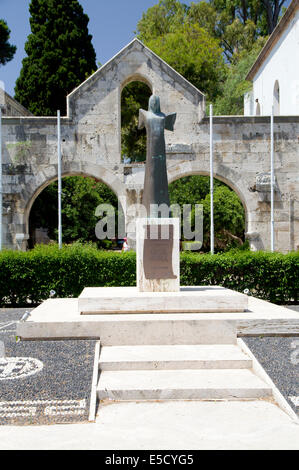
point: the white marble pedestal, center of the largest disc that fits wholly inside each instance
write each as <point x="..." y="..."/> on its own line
<point x="158" y="254"/>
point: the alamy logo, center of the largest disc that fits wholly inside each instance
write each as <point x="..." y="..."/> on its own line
<point x="190" y="217"/>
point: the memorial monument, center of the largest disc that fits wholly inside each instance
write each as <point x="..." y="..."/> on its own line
<point x="157" y="234"/>
<point x="158" y="246"/>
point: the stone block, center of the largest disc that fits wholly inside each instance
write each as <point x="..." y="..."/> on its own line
<point x="158" y="254"/>
<point x="121" y="300"/>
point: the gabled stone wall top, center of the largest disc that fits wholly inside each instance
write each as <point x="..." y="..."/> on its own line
<point x="13" y="107"/>
<point x="134" y="62"/>
<point x="94" y="108"/>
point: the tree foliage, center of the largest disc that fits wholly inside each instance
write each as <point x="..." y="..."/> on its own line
<point x="237" y="26"/>
<point x="231" y="99"/>
<point x="185" y="45"/>
<point x="264" y="13"/>
<point x="273" y="9"/>
<point x="133" y="140"/>
<point x="194" y="54"/>
<point x="59" y="55"/>
<point x="229" y="219"/>
<point x="161" y="19"/>
<point x="80" y="197"/>
<point x="231" y="33"/>
<point x="7" y="50"/>
<point x="229" y="214"/>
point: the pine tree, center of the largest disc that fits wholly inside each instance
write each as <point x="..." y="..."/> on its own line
<point x="60" y="56"/>
<point x="7" y="50"/>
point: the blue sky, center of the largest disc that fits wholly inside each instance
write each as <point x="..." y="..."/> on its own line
<point x="112" y="25"/>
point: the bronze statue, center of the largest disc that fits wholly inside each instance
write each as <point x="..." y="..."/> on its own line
<point x="155" y="182"/>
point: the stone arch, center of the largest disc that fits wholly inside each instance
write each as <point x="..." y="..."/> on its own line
<point x="231" y="178"/>
<point x="131" y="78"/>
<point x="136" y="77"/>
<point x="95" y="171"/>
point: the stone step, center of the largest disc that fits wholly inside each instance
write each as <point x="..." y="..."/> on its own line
<point x="206" y="384"/>
<point x="171" y="329"/>
<point x="173" y="357"/>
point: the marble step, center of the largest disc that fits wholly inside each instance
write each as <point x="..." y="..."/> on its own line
<point x="171" y="329"/>
<point x="178" y="384"/>
<point x="173" y="357"/>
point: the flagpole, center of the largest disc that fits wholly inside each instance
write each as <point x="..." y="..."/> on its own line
<point x="211" y="181"/>
<point x="1" y="183"/>
<point x="59" y="180"/>
<point x="272" y="180"/>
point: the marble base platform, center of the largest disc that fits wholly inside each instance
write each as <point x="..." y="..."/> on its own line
<point x="60" y="319"/>
<point x="118" y="300"/>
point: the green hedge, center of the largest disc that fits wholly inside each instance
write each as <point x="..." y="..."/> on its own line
<point x="269" y="276"/>
<point x="27" y="277"/>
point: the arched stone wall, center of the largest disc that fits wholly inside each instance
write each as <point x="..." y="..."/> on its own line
<point x="98" y="172"/>
<point x="91" y="145"/>
<point x="234" y="181"/>
<point x="136" y="77"/>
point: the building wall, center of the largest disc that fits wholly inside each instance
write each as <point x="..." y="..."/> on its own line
<point x="282" y="64"/>
<point x="241" y="159"/>
<point x="91" y="146"/>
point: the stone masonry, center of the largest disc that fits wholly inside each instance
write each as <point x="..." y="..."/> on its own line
<point x="91" y="145"/>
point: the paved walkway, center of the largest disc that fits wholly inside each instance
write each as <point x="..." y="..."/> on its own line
<point x="166" y="425"/>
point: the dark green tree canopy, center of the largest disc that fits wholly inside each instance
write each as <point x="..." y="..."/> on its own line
<point x="7" y="50"/>
<point x="264" y="13"/>
<point x="229" y="214"/>
<point x="133" y="140"/>
<point x="80" y="197"/>
<point x="60" y="55"/>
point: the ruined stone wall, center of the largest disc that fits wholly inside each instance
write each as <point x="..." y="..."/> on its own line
<point x="241" y="159"/>
<point x="11" y="107"/>
<point x="91" y="146"/>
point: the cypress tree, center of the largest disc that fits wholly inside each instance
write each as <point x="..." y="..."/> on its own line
<point x="59" y="57"/>
<point x="7" y="50"/>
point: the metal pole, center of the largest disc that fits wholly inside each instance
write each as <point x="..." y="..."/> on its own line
<point x="211" y="181"/>
<point x="272" y="179"/>
<point x="1" y="188"/>
<point x="59" y="180"/>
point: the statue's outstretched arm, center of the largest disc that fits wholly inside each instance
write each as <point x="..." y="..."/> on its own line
<point x="169" y="121"/>
<point x="142" y="119"/>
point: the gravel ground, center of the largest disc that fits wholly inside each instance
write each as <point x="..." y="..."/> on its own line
<point x="53" y="386"/>
<point x="279" y="356"/>
<point x="59" y="390"/>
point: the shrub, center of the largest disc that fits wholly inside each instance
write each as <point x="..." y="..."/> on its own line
<point x="26" y="278"/>
<point x="269" y="276"/>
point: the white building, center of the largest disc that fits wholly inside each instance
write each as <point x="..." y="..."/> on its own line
<point x="275" y="73"/>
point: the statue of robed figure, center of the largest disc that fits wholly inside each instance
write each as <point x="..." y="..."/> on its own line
<point x="155" y="182"/>
<point x="157" y="250"/>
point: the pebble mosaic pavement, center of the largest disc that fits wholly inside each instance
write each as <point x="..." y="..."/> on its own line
<point x="43" y="382"/>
